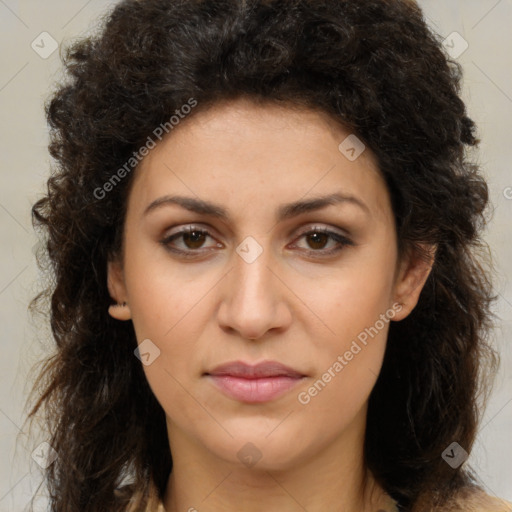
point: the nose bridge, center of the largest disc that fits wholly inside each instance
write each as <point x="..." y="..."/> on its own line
<point x="250" y="303"/>
<point x="251" y="273"/>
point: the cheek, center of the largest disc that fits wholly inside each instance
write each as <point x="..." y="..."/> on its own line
<point x="348" y="300"/>
<point x="349" y="361"/>
<point x="174" y="321"/>
<point x="166" y="297"/>
<point x="349" y="331"/>
<point x="169" y="309"/>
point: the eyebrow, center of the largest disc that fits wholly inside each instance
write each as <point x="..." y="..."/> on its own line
<point x="285" y="211"/>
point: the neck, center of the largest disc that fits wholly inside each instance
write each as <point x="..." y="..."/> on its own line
<point x="334" y="479"/>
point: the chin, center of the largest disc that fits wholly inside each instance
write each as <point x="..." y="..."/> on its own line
<point x="261" y="449"/>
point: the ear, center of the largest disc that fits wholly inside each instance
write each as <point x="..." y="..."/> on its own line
<point x="412" y="274"/>
<point x="117" y="290"/>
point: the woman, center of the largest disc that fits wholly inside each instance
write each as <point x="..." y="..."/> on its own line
<point x="268" y="293"/>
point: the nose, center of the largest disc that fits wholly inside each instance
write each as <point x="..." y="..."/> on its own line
<point x="253" y="297"/>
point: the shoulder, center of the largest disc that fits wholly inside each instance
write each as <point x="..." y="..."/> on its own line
<point x="477" y="500"/>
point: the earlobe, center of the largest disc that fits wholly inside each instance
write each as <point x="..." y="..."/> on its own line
<point x="117" y="290"/>
<point x="413" y="274"/>
<point x="120" y="311"/>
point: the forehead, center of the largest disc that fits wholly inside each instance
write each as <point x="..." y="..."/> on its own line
<point x="240" y="151"/>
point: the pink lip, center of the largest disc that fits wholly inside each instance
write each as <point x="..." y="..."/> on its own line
<point x="254" y="384"/>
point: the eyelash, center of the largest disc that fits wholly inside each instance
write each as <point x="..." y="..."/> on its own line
<point x="191" y="253"/>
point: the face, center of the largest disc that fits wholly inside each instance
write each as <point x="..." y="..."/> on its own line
<point x="293" y="260"/>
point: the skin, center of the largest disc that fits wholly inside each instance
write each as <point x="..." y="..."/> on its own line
<point x="288" y="305"/>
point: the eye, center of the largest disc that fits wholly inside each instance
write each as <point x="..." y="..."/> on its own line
<point x="317" y="238"/>
<point x="192" y="239"/>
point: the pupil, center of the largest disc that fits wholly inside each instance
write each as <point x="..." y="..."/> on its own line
<point x="315" y="237"/>
<point x="194" y="237"/>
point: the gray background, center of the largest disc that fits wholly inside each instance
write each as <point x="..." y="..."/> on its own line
<point x="26" y="80"/>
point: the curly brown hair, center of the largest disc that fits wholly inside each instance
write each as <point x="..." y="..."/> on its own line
<point x="375" y="67"/>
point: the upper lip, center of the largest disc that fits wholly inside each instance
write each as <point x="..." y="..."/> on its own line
<point x="260" y="370"/>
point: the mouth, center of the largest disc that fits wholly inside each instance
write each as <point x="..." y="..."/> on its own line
<point x="259" y="383"/>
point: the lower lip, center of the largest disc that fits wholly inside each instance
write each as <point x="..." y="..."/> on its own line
<point x="254" y="390"/>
